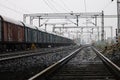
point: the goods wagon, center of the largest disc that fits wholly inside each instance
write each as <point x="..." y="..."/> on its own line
<point x="30" y="35"/>
<point x="0" y="29"/>
<point x="11" y="33"/>
<point x="16" y="35"/>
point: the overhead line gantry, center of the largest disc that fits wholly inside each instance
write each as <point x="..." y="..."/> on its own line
<point x="68" y="16"/>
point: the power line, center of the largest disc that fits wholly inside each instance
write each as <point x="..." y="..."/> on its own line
<point x="60" y="6"/>
<point x="65" y="5"/>
<point x="107" y="5"/>
<point x="14" y="5"/>
<point x="53" y="5"/>
<point x="11" y="9"/>
<point x="56" y="9"/>
<point x="47" y="3"/>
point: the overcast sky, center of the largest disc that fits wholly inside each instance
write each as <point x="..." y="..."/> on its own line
<point x="16" y="8"/>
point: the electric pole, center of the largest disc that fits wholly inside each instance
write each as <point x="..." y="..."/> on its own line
<point x="118" y="15"/>
<point x="102" y="34"/>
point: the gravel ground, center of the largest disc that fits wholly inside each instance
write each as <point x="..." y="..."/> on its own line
<point x="18" y="69"/>
<point x="85" y="56"/>
<point x="84" y="66"/>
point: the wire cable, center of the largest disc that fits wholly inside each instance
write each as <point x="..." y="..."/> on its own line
<point x="16" y="11"/>
<point x="14" y="5"/>
<point x="107" y="5"/>
<point x="53" y="6"/>
<point x="49" y="6"/>
<point x="60" y="6"/>
<point x="65" y="5"/>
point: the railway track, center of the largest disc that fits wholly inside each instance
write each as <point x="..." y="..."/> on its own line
<point x="80" y="66"/>
<point x="21" y="67"/>
<point x="16" y="55"/>
<point x="87" y="71"/>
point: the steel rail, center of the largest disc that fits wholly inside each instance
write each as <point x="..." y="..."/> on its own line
<point x="113" y="68"/>
<point x="43" y="74"/>
<point x="25" y="52"/>
<point x="15" y="56"/>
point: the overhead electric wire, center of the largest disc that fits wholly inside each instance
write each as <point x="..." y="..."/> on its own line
<point x="49" y="6"/>
<point x="55" y="9"/>
<point x="60" y="6"/>
<point x="67" y="18"/>
<point x="107" y="5"/>
<point x="53" y="6"/>
<point x="16" y="11"/>
<point x="65" y="5"/>
<point x="14" y="5"/>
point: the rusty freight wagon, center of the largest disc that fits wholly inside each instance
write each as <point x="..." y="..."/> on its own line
<point x="11" y="34"/>
<point x="16" y="35"/>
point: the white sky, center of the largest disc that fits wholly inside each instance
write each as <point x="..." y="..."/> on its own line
<point x="16" y="8"/>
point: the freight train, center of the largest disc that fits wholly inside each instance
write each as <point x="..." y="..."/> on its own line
<point x="16" y="35"/>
